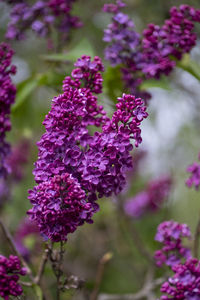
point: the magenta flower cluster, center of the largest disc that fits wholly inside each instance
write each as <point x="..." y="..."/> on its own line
<point x="75" y="168"/>
<point x="7" y="98"/>
<point x="10" y="269"/>
<point x="170" y="234"/>
<point x="185" y="283"/>
<point x="42" y="16"/>
<point x="194" y="179"/>
<point x="154" y="52"/>
<point x="150" y="199"/>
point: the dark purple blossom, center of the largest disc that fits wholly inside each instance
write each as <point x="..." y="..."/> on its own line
<point x="41" y="16"/>
<point x="170" y="234"/>
<point x="7" y="98"/>
<point x="10" y="271"/>
<point x="150" y="199"/>
<point x="96" y="165"/>
<point x="194" y="179"/>
<point x="185" y="283"/>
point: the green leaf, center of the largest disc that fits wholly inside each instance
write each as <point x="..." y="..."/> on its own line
<point x="113" y="82"/>
<point x="189" y="66"/>
<point x="38" y="292"/>
<point x="162" y="83"/>
<point x="26" y="88"/>
<point x="83" y="47"/>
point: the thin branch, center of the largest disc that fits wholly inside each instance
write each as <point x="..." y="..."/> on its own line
<point x="196" y="240"/>
<point x="42" y="266"/>
<point x="99" y="275"/>
<point x="143" y="293"/>
<point x="14" y="249"/>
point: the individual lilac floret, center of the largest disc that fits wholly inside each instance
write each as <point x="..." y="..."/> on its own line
<point x="171" y="234"/>
<point x="96" y="164"/>
<point x="194" y="179"/>
<point x="10" y="269"/>
<point x="150" y="199"/>
<point x="185" y="283"/>
<point x="41" y="17"/>
<point x="7" y="98"/>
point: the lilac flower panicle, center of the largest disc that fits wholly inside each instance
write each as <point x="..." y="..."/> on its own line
<point x="10" y="271"/>
<point x="194" y="179"/>
<point x="41" y="17"/>
<point x="171" y="234"/>
<point x="7" y="98"/>
<point x="71" y="159"/>
<point x="185" y="283"/>
<point x="150" y="199"/>
<point x="152" y="54"/>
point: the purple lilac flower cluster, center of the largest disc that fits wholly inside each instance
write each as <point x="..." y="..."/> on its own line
<point x="42" y="17"/>
<point x="10" y="269"/>
<point x="194" y="179"/>
<point x="75" y="168"/>
<point x="155" y="52"/>
<point x="7" y="98"/>
<point x="170" y="234"/>
<point x="150" y="199"/>
<point x="185" y="283"/>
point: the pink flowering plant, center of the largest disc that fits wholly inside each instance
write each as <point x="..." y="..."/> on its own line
<point x="94" y="184"/>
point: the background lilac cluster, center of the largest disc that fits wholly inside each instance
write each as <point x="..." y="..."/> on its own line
<point x="43" y="17"/>
<point x="152" y="54"/>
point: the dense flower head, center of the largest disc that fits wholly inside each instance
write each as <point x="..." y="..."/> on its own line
<point x="154" y="53"/>
<point x="171" y="234"/>
<point x="185" y="283"/>
<point x="10" y="269"/>
<point x="150" y="199"/>
<point x="194" y="179"/>
<point x="41" y="16"/>
<point x="7" y="98"/>
<point x="96" y="165"/>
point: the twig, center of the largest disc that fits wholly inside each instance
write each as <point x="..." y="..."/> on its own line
<point x="196" y="240"/>
<point x="143" y="293"/>
<point x="99" y="275"/>
<point x="14" y="249"/>
<point x="42" y="266"/>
